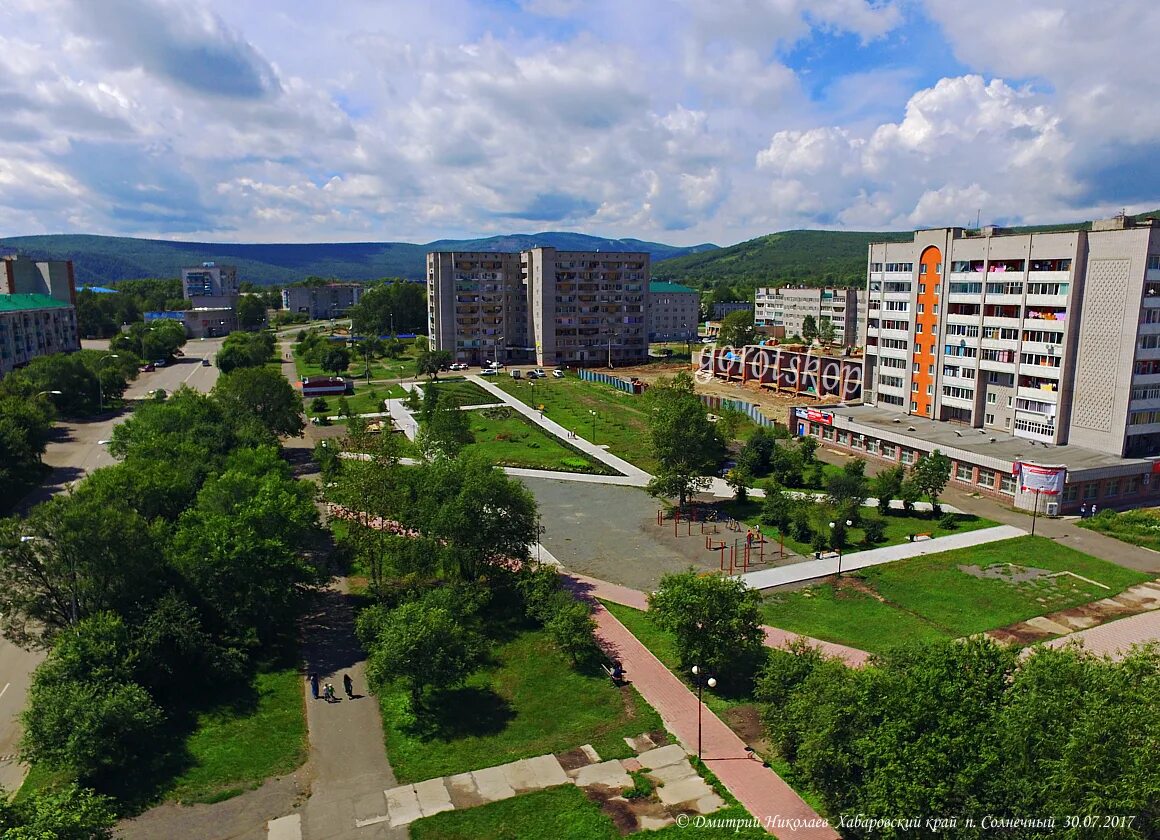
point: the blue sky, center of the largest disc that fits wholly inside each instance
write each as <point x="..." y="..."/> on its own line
<point x="681" y="121"/>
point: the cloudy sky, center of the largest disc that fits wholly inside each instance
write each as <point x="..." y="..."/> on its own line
<point x="681" y="121"/>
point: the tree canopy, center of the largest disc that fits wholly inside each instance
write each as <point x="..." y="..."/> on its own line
<point x="737" y="329"/>
<point x="687" y="446"/>
<point x="264" y="394"/>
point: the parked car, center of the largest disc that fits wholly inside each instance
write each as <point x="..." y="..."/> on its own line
<point x="147" y="367"/>
<point x="540" y="372"/>
<point x="159" y="363"/>
<point x="205" y="362"/>
<point x="515" y="374"/>
<point x="559" y="374"/>
<point x="488" y="372"/>
<point x="458" y="366"/>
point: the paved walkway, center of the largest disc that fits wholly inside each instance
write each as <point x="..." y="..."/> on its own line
<point x="347" y="752"/>
<point x="1114" y="638"/>
<point x="813" y="569"/>
<point x="774" y="637"/>
<point x="763" y="793"/>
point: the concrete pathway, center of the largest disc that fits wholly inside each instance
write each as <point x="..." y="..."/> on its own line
<point x="826" y="566"/>
<point x="1141" y="598"/>
<point x="774" y="637"/>
<point x="597" y="452"/>
<point x="402" y="418"/>
<point x="763" y="793"/>
<point x="1114" y="638"/>
<point x="347" y="752"/>
<point x="683" y="788"/>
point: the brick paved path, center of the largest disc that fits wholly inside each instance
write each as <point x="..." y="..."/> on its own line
<point x="774" y="637"/>
<point x="763" y="793"/>
<point x="1115" y="637"/>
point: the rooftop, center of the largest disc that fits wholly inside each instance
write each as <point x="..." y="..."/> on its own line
<point x="15" y="303"/>
<point x="983" y="446"/>
<point x="660" y="287"/>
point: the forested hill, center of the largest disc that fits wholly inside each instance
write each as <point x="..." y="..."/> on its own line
<point x="812" y="257"/>
<point x="106" y="259"/>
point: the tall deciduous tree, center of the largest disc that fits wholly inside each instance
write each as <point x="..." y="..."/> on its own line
<point x="887" y="485"/>
<point x="930" y="476"/>
<point x="716" y="622"/>
<point x="687" y="446"/>
<point x="826" y="331"/>
<point x="809" y="329"/>
<point x="265" y="394"/>
<point x="251" y="311"/>
<point x="68" y="812"/>
<point x="430" y="362"/>
<point x="848" y="489"/>
<point x="737" y="329"/>
<point x="334" y="359"/>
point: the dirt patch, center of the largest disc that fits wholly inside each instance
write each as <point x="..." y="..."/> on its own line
<point x="627" y="699"/>
<point x="745" y="720"/>
<point x="660" y="737"/>
<point x="1008" y="572"/>
<point x="573" y="759"/>
<point x="616" y="806"/>
<point x="860" y="586"/>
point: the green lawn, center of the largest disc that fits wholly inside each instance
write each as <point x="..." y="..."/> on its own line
<point x="507" y="438"/>
<point x="462" y="392"/>
<point x="234" y="751"/>
<point x="560" y="813"/>
<point x="930" y="596"/>
<point x="364" y="400"/>
<point x="530" y="702"/>
<point x="1138" y="527"/>
<point x="621" y="419"/>
<point x="899" y="525"/>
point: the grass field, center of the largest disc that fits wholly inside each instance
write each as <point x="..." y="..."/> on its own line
<point x="1138" y="527"/>
<point x="364" y="400"/>
<point x="530" y="702"/>
<point x="461" y="392"/>
<point x="233" y="751"/>
<point x="899" y="526"/>
<point x="621" y="419"/>
<point x="509" y="439"/>
<point x="931" y="597"/>
<point x="562" y="813"/>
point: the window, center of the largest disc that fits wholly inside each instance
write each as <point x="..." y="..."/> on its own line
<point x="918" y="329"/>
<point x="889" y="450"/>
<point x="914" y="386"/>
<point x="917" y="366"/>
<point x="1043" y="429"/>
<point x="872" y="446"/>
<point x="1091" y="490"/>
<point x="1070" y="492"/>
<point x="1009" y="399"/>
<point x="964" y="472"/>
<point x="992" y="398"/>
<point x="990" y="420"/>
<point x="958" y="393"/>
<point x="844" y="437"/>
<point x="936" y="306"/>
<point x="986" y="478"/>
<point x="922" y="307"/>
<point x="922" y="288"/>
<point x="930" y="370"/>
<point x="1007" y="484"/>
<point x="1133" y="485"/>
<point x="913" y="405"/>
<point x="908" y="456"/>
<point x="1154" y="261"/>
<point x="900" y="267"/>
<point x="1149" y="342"/>
<point x="1113" y="488"/>
<point x="922" y="268"/>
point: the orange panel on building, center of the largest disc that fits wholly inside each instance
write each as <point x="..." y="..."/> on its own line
<point x="924" y="354"/>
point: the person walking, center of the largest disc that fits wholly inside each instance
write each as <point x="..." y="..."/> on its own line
<point x="314" y="685"/>
<point x="1083" y="511"/>
<point x="348" y="684"/>
<point x="328" y="692"/>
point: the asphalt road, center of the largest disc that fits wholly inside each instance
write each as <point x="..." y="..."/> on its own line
<point x="75" y="451"/>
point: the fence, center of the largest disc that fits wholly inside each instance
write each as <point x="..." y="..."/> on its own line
<point x="752" y="411"/>
<point x="614" y="381"/>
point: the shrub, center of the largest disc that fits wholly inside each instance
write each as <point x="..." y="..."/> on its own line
<point x="948" y="521"/>
<point x="319" y="405"/>
<point x="874" y="530"/>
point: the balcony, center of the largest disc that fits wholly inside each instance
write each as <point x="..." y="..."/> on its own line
<point x="1043" y="393"/>
<point x="900" y="335"/>
<point x="958" y="402"/>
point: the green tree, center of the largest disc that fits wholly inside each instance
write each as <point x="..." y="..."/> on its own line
<point x="396" y="306"/>
<point x="687" y="446"/>
<point x="69" y="812"/>
<point x="430" y="362"/>
<point x="887" y="485"/>
<point x="573" y="630"/>
<point x="737" y="329"/>
<point x="74" y="556"/>
<point x="25" y="425"/>
<point x="251" y="311"/>
<point x="826" y="331"/>
<point x="847" y="490"/>
<point x="757" y="454"/>
<point x="422" y="645"/>
<point x="930" y="476"/>
<point x="79" y="377"/>
<point x="739" y="480"/>
<point x="809" y="329"/>
<point x="334" y="360"/>
<point x="266" y="395"/>
<point x="716" y="623"/>
<point x="444" y="431"/>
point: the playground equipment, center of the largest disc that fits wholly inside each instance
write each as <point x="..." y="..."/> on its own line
<point x="743" y="551"/>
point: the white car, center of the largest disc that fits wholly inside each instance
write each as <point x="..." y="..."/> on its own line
<point x="458" y="366"/>
<point x="488" y="372"/>
<point x="559" y="374"/>
<point x="540" y="372"/>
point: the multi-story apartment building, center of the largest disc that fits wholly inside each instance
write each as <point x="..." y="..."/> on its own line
<point x="210" y="285"/>
<point x="673" y="311"/>
<point x="477" y="306"/>
<point x="543" y="305"/>
<point x="34" y="325"/>
<point x="331" y="300"/>
<point x="720" y="310"/>
<point x="788" y="307"/>
<point x="588" y="307"/>
<point x="1005" y="349"/>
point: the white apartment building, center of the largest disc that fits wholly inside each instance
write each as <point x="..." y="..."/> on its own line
<point x="788" y="307"/>
<point x="210" y="285"/>
<point x="673" y="312"/>
<point x="1052" y="337"/>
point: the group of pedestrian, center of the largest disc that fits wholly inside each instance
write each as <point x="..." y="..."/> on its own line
<point x="1084" y="513"/>
<point x="327" y="690"/>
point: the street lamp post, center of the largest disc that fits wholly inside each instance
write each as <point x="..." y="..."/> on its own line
<point x="593" y="413"/>
<point x="712" y="683"/>
<point x="100" y="387"/>
<point x="849" y="524"/>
